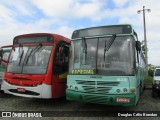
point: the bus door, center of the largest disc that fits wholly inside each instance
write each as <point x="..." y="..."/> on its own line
<point x="60" y="69"/>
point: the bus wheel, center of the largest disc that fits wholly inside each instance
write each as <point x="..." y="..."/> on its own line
<point x="140" y="89"/>
<point x="154" y="94"/>
<point x="144" y="88"/>
<point x="139" y="95"/>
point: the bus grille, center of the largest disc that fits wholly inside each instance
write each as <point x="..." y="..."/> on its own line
<point x="83" y="82"/>
<point x="27" y="92"/>
<point x="93" y="89"/>
<point x="102" y="87"/>
<point x="104" y="83"/>
<point x="95" y="99"/>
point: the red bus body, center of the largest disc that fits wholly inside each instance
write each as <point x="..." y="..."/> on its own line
<point x="26" y="80"/>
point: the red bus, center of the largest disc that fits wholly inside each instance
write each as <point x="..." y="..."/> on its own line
<point x="37" y="66"/>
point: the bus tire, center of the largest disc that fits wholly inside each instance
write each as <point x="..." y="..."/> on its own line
<point x="139" y="94"/>
<point x="140" y="89"/>
<point x="144" y="88"/>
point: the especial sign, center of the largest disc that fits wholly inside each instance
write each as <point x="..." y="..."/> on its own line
<point x="83" y="72"/>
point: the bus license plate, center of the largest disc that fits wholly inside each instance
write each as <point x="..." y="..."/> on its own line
<point x="20" y="89"/>
<point x="127" y="100"/>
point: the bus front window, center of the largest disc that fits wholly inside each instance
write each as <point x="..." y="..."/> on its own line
<point x="108" y="55"/>
<point x="118" y="59"/>
<point x="85" y="54"/>
<point x="16" y="59"/>
<point x="23" y="60"/>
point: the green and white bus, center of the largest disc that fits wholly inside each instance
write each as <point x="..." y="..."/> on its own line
<point x="106" y="66"/>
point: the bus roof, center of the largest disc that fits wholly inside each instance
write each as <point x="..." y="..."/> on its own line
<point x="35" y="34"/>
<point x="38" y="38"/>
<point x="103" y="30"/>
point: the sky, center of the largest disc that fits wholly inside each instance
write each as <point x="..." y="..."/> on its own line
<point x="64" y="16"/>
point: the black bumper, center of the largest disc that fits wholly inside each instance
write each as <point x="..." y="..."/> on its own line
<point x="156" y="87"/>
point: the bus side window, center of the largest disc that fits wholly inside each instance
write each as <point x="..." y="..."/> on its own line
<point x="61" y="59"/>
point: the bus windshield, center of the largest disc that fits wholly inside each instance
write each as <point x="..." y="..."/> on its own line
<point x="29" y="59"/>
<point x="105" y="55"/>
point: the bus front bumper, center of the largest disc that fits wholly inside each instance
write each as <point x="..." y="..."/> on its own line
<point x="109" y="99"/>
<point x="41" y="91"/>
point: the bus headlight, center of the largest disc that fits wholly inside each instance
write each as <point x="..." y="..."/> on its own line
<point x="71" y="86"/>
<point x="76" y="88"/>
<point x="125" y="90"/>
<point x="133" y="90"/>
<point x="118" y="90"/>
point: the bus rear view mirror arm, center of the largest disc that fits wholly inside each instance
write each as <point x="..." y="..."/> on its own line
<point x="138" y="45"/>
<point x="2" y="52"/>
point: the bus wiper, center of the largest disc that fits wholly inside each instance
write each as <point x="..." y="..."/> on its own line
<point x="85" y="48"/>
<point x="85" y="45"/>
<point x="33" y="51"/>
<point x="108" y="45"/>
<point x="21" y="53"/>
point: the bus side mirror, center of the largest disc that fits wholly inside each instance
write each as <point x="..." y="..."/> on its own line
<point x="1" y="55"/>
<point x="61" y="55"/>
<point x="138" y="45"/>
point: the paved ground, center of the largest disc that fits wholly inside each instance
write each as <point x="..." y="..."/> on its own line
<point x="62" y="109"/>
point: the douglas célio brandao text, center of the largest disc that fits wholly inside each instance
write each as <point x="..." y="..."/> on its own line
<point x="142" y="114"/>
